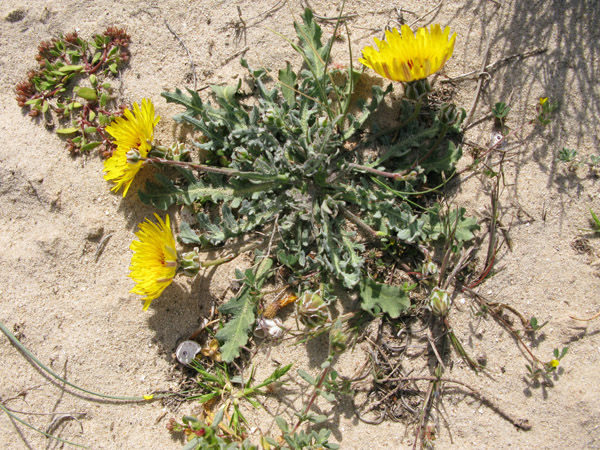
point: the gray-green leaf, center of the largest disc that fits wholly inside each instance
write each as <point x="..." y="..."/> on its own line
<point x="378" y="297"/>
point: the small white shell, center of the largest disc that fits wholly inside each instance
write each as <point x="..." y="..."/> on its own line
<point x="496" y="137"/>
<point x="187" y="351"/>
<point x="271" y="328"/>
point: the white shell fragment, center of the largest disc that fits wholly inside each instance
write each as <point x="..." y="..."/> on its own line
<point x="496" y="137"/>
<point x="269" y="328"/>
<point x="187" y="351"/>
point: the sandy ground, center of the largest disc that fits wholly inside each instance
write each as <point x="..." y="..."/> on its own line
<point x="76" y="315"/>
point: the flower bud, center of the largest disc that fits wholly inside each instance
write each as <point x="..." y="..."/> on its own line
<point x="312" y="309"/>
<point x="439" y="301"/>
<point x="429" y="268"/>
<point x="417" y="90"/>
<point x="450" y="115"/>
<point x="133" y="156"/>
<point x="177" y="152"/>
<point x="189" y="263"/>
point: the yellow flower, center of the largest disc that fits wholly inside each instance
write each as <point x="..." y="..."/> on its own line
<point x="543" y="100"/>
<point x="408" y="57"/>
<point x="554" y="363"/>
<point x="212" y="351"/>
<point x="133" y="136"/>
<point x="154" y="263"/>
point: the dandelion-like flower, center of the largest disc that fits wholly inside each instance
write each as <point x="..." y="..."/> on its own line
<point x="409" y="57"/>
<point x="154" y="263"/>
<point x="133" y="136"/>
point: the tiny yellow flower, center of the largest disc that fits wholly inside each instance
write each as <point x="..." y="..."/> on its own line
<point x="554" y="363"/>
<point x="212" y="351"/>
<point x="409" y="57"/>
<point x="154" y="262"/>
<point x="543" y="100"/>
<point x="133" y="136"/>
<point x="148" y="397"/>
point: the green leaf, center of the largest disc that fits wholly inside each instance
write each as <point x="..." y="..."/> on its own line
<point x="90" y="146"/>
<point x="234" y="334"/>
<point x="71" y="68"/>
<point x="327" y="396"/>
<point x="194" y="105"/>
<point x="307" y="377"/>
<point x="378" y="297"/>
<point x="192" y="445"/>
<point x="226" y="94"/>
<point x="163" y="192"/>
<point x="187" y="235"/>
<point x="444" y="159"/>
<point x="310" y="33"/>
<point x="68" y="130"/>
<point x="596" y="220"/>
<point x="317" y="418"/>
<point x="438" y="226"/>
<point x="287" y="78"/>
<point x="282" y="424"/>
<point x="87" y="93"/>
<point x="377" y="96"/>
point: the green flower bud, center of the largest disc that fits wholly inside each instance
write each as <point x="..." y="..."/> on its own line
<point x="189" y="263"/>
<point x="417" y="90"/>
<point x="133" y="156"/>
<point x="439" y="301"/>
<point x="312" y="309"/>
<point x="178" y="152"/>
<point x="429" y="268"/>
<point x="450" y="115"/>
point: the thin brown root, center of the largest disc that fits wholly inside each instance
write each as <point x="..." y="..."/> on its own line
<point x="522" y="424"/>
<point x="595" y="316"/>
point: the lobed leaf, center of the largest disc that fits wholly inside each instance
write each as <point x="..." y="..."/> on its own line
<point x="379" y="297"/>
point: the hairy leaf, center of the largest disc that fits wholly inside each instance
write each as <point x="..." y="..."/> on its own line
<point x="287" y="78"/>
<point x="162" y="192"/>
<point x="242" y="308"/>
<point x="378" y="297"/>
<point x="453" y="224"/>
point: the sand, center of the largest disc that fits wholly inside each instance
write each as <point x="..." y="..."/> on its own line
<point x="76" y="314"/>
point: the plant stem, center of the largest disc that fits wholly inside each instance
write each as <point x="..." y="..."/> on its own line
<point x="499" y="318"/>
<point x="523" y="424"/>
<point x="231" y="256"/>
<point x="11" y="337"/>
<point x="51" y="436"/>
<point x="220" y="170"/>
<point x="313" y="397"/>
<point x="188" y="165"/>
<point x="381" y="173"/>
<point x="434" y="146"/>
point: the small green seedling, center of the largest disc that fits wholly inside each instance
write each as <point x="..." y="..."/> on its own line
<point x="545" y="109"/>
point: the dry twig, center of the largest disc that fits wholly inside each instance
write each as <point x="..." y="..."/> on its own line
<point x="482" y="76"/>
<point x="187" y="51"/>
<point x="523" y="424"/>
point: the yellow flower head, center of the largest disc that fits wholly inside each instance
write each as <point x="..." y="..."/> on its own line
<point x="410" y="57"/>
<point x="154" y="263"/>
<point x="133" y="135"/>
<point x="543" y="100"/>
<point x="554" y="363"/>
